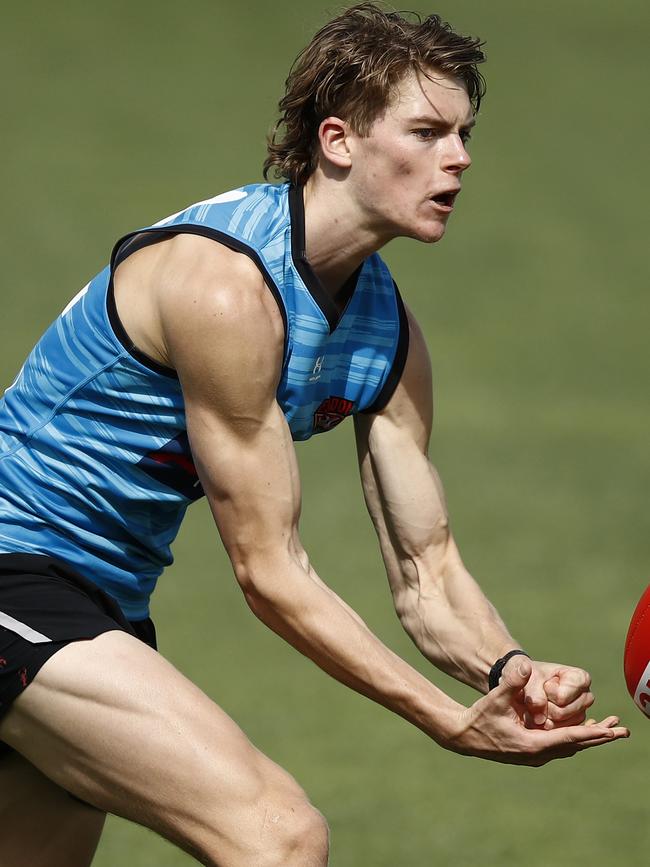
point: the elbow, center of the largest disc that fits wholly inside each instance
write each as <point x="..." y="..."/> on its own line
<point x="252" y="578"/>
<point x="257" y="603"/>
<point x="262" y="575"/>
<point x="256" y="590"/>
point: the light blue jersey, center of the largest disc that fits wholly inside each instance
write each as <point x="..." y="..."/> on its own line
<point x="95" y="463"/>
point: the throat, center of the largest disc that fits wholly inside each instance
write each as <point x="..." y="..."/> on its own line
<point x="339" y="283"/>
<point x="342" y="292"/>
<point x="330" y="272"/>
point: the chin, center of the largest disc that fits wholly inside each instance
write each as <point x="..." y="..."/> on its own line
<point x="430" y="234"/>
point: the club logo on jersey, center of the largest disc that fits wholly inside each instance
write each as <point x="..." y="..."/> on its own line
<point x="318" y="367"/>
<point x="172" y="465"/>
<point x="331" y="412"/>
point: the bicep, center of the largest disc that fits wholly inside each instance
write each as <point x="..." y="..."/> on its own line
<point x="250" y="479"/>
<point x="225" y="338"/>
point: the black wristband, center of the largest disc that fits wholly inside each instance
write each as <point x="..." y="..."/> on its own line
<point x="495" y="672"/>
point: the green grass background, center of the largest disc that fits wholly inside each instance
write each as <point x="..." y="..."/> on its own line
<point x="536" y="310"/>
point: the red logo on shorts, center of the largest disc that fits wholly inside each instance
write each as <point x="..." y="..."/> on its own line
<point x="331" y="412"/>
<point x="3" y="662"/>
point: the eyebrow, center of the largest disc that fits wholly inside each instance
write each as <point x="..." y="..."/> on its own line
<point x="440" y="122"/>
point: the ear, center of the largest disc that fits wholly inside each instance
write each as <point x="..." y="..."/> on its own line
<point x="333" y="137"/>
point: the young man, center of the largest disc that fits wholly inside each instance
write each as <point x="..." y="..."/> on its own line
<point x="214" y="338"/>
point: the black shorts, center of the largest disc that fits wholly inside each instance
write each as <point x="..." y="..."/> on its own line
<point x="44" y="605"/>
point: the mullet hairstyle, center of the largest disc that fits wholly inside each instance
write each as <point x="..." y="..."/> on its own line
<point x="350" y="69"/>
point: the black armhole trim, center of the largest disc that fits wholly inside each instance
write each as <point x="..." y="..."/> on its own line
<point x="137" y="241"/>
<point x="309" y="278"/>
<point x="399" y="360"/>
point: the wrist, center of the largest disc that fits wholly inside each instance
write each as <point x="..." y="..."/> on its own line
<point x="450" y="727"/>
<point x="435" y="713"/>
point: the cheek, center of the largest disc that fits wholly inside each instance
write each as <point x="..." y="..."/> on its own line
<point x="403" y="168"/>
<point x="400" y="162"/>
<point x="388" y="162"/>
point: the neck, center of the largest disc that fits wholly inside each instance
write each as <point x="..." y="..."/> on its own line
<point x="336" y="238"/>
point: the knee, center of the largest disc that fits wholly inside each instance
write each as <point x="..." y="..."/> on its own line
<point x="273" y="825"/>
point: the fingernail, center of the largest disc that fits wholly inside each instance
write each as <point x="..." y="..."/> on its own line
<point x="540" y="719"/>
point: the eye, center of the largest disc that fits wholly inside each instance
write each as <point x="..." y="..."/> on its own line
<point x="465" y="135"/>
<point x="426" y="133"/>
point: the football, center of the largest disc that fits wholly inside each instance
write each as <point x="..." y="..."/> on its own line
<point x="636" y="659"/>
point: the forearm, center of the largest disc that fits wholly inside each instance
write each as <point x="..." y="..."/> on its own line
<point x="295" y="604"/>
<point x="439" y="604"/>
<point x="451" y="621"/>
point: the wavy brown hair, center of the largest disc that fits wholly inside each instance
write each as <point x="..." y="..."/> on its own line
<point x="350" y="68"/>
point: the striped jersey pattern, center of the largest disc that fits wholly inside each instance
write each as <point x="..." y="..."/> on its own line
<point x="95" y="463"/>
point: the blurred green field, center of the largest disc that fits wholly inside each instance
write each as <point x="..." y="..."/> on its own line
<point x="536" y="310"/>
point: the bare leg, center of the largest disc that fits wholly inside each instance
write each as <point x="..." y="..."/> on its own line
<point x="114" y="723"/>
<point x="40" y="824"/>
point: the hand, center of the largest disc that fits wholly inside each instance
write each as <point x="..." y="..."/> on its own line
<point x="494" y="728"/>
<point x="555" y="696"/>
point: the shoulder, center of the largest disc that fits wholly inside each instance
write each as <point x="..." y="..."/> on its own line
<point x="200" y="268"/>
<point x="213" y="300"/>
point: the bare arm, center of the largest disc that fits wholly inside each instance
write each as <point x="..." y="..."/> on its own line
<point x="440" y="605"/>
<point x="438" y="602"/>
<point x="228" y="354"/>
<point x="223" y="334"/>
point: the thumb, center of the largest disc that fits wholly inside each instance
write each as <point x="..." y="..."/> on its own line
<point x="515" y="676"/>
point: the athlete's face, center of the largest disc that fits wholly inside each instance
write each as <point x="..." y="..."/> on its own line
<point x="407" y="171"/>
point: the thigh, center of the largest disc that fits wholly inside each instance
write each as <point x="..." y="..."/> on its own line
<point x="111" y="721"/>
<point x="41" y="825"/>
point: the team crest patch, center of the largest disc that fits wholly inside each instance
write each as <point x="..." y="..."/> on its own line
<point x="172" y="465"/>
<point x="331" y="412"/>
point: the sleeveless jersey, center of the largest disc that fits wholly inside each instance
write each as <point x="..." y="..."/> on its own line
<point x="95" y="463"/>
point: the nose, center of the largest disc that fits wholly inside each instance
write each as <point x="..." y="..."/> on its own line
<point x="456" y="160"/>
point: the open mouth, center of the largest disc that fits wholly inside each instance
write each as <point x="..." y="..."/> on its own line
<point x="445" y="200"/>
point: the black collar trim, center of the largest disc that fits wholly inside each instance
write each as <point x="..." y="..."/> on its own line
<point x="309" y="277"/>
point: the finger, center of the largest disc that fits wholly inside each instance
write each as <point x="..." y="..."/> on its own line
<point x="599" y="742"/>
<point x="536" y="702"/>
<point x="575" y="710"/>
<point x="567" y="685"/>
<point x="537" y="747"/>
<point x="529" y="722"/>
<point x="577" y="720"/>
<point x="566" y="737"/>
<point x="549" y="723"/>
<point x="610" y="721"/>
<point x="577" y="738"/>
<point x="605" y="731"/>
